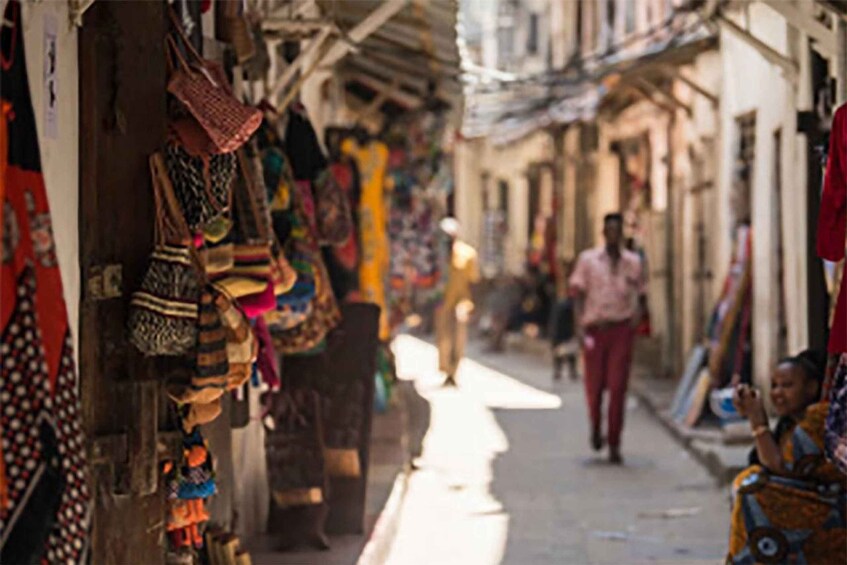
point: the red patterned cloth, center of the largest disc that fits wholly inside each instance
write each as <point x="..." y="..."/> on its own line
<point x="832" y="221"/>
<point x="46" y="515"/>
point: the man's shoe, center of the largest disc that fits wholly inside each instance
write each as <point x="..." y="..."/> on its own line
<point x="615" y="456"/>
<point x="596" y="440"/>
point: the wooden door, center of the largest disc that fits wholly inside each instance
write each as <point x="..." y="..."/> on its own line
<point x="122" y="121"/>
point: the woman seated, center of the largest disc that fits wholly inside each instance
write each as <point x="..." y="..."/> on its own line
<point x="789" y="504"/>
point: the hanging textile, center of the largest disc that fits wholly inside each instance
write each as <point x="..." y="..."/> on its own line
<point x="832" y="223"/>
<point x="372" y="160"/>
<point x="342" y="260"/>
<point x="45" y="517"/>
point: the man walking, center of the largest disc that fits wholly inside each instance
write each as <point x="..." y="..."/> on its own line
<point x="452" y="317"/>
<point x="608" y="287"/>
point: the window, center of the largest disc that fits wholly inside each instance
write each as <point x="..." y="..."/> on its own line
<point x="611" y="6"/>
<point x="505" y="34"/>
<point x="580" y="28"/>
<point x="534" y="181"/>
<point x="745" y="160"/>
<point x="503" y="198"/>
<point x="629" y="17"/>
<point x="532" y="35"/>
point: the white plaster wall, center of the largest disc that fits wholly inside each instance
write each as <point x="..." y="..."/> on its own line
<point x="770" y="94"/>
<point x="569" y="215"/>
<point x="697" y="133"/>
<point x="60" y="156"/>
<point x="510" y="163"/>
<point x="642" y="117"/>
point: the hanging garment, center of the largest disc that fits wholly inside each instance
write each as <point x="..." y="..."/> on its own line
<point x="347" y="176"/>
<point x="45" y="517"/>
<point x="832" y="222"/>
<point x="302" y="146"/>
<point x="372" y="160"/>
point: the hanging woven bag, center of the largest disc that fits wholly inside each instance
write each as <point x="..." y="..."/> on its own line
<point x="201" y="86"/>
<point x="202" y="180"/>
<point x="252" y="252"/>
<point x="163" y="311"/>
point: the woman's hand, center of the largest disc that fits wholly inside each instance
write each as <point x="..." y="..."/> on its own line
<point x="749" y="404"/>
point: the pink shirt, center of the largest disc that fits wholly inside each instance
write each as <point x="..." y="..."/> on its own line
<point x="611" y="295"/>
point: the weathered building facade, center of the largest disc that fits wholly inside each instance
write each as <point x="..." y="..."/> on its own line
<point x="691" y="118"/>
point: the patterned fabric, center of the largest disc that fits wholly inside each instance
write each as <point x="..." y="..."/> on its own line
<point x="347" y="176"/>
<point x="798" y="517"/>
<point x="46" y="514"/>
<point x="322" y="314"/>
<point x="610" y="293"/>
<point x="835" y="439"/>
<point x="202" y="185"/>
<point x="414" y="246"/>
<point x="332" y="211"/>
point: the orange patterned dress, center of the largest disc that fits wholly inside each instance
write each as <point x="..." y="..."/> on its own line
<point x="796" y="517"/>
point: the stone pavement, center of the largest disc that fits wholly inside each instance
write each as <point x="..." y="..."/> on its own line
<point x="506" y="476"/>
<point x="388" y="460"/>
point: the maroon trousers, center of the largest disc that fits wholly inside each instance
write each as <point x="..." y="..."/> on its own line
<point x="608" y="355"/>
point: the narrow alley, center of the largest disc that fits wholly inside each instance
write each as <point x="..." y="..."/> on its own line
<point x="507" y="475"/>
<point x="309" y="282"/>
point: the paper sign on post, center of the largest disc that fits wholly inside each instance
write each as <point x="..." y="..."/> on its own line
<point x="51" y="90"/>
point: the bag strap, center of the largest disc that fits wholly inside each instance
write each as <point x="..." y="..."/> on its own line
<point x="170" y="216"/>
<point x="189" y="47"/>
<point x="247" y="172"/>
<point x="172" y="52"/>
<point x="159" y="226"/>
<point x="170" y="222"/>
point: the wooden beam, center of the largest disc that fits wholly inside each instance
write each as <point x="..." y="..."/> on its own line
<point x="400" y="96"/>
<point x="386" y="75"/>
<point x="287" y="25"/>
<point x="674" y="101"/>
<point x="824" y="36"/>
<point x="384" y="94"/>
<point x="411" y="64"/>
<point x="366" y="27"/>
<point x="788" y="66"/>
<point x="424" y="32"/>
<point x="676" y="74"/>
<point x="77" y="9"/>
<point x="309" y="53"/>
<point x="646" y="95"/>
<point x="301" y="80"/>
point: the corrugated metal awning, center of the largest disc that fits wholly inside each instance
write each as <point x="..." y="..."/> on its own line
<point x="415" y="51"/>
